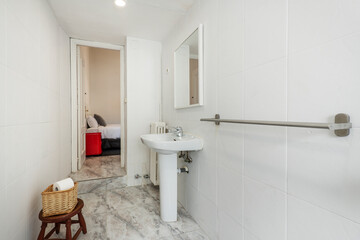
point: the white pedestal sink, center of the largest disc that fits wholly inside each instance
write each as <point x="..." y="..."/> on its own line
<point x="167" y="145"/>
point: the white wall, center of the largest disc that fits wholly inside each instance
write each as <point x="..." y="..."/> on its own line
<point x="105" y="83"/>
<point x="85" y="58"/>
<point x="34" y="113"/>
<point x="273" y="60"/>
<point x="143" y="78"/>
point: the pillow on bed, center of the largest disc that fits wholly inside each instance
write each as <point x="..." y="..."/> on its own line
<point x="100" y="120"/>
<point x="92" y="122"/>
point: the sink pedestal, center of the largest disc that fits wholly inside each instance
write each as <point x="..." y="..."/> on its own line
<point x="168" y="186"/>
<point x="167" y="146"/>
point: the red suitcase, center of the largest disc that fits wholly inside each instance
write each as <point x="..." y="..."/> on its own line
<point x="93" y="144"/>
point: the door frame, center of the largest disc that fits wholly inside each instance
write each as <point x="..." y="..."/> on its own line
<point x="75" y="93"/>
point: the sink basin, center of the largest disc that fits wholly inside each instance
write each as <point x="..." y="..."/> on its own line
<point x="169" y="143"/>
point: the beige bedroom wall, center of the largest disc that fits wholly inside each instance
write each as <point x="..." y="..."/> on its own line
<point x="105" y="83"/>
<point x="194" y="81"/>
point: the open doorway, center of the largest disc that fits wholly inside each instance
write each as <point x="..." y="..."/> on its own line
<point x="99" y="111"/>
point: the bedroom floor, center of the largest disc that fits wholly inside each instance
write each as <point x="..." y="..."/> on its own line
<point x="99" y="167"/>
<point x="114" y="212"/>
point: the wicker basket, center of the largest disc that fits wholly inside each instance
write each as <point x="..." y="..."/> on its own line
<point x="59" y="202"/>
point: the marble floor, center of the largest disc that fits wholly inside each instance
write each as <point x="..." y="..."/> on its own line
<point x="99" y="167"/>
<point x="115" y="212"/>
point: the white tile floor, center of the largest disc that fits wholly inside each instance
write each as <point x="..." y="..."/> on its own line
<point x="115" y="212"/>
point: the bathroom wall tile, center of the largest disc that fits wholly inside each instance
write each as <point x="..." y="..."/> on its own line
<point x="207" y="217"/>
<point x="22" y="99"/>
<point x="315" y="22"/>
<point x="229" y="229"/>
<point x="230" y="193"/>
<point x="16" y="160"/>
<point x="31" y="146"/>
<point x="207" y="132"/>
<point x="3" y="217"/>
<point x="310" y="85"/>
<point x="27" y="12"/>
<point x="231" y="96"/>
<point x="323" y="169"/>
<point x="265" y="31"/>
<point x="3" y="90"/>
<point x="17" y="191"/>
<point x="33" y="158"/>
<point x="231" y="39"/>
<point x="181" y="185"/>
<point x="265" y="91"/>
<point x="265" y="155"/>
<point x="203" y="211"/>
<point x="17" y="50"/>
<point x="3" y="16"/>
<point x="249" y="236"/>
<point x="208" y="185"/>
<point x="264" y="210"/>
<point x="230" y="137"/>
<point x="322" y="79"/>
<point x="192" y="179"/>
<point x="306" y="221"/>
<point x="15" y="99"/>
<point x="21" y="224"/>
<point x="3" y="156"/>
<point x="33" y="224"/>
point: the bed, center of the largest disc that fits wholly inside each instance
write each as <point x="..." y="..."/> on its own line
<point x="110" y="136"/>
<point x="110" y="131"/>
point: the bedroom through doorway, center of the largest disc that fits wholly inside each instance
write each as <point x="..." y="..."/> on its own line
<point x="99" y="114"/>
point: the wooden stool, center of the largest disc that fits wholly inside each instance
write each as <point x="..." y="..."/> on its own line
<point x="63" y="219"/>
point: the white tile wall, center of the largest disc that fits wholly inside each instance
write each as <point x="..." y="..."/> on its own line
<point x="228" y="228"/>
<point x="273" y="60"/>
<point x="3" y="90"/>
<point x="34" y="112"/>
<point x="313" y="23"/>
<point x="327" y="75"/>
<point x="143" y="61"/>
<point x="267" y="165"/>
<point x="265" y="31"/>
<point x="3" y="14"/>
<point x="231" y="39"/>
<point x="265" y="91"/>
<point x="231" y="98"/>
<point x="323" y="170"/>
<point x="305" y="221"/>
<point x="264" y="210"/>
<point x="230" y="184"/>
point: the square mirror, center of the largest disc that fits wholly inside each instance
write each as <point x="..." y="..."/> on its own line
<point x="188" y="71"/>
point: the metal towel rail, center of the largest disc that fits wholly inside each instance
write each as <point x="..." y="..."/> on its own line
<point x="341" y="127"/>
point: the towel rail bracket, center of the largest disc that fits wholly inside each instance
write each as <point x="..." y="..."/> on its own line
<point x="341" y="127"/>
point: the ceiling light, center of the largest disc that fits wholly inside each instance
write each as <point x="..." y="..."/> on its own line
<point x="120" y="3"/>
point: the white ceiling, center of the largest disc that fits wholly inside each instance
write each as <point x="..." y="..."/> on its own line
<point x="101" y="20"/>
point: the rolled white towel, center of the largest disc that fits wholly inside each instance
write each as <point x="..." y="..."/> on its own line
<point x="63" y="185"/>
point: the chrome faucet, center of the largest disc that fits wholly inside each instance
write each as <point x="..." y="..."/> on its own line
<point x="178" y="131"/>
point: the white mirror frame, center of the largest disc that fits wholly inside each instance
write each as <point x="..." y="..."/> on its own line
<point x="200" y="30"/>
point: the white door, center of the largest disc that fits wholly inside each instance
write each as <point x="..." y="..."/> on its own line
<point x="81" y="113"/>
